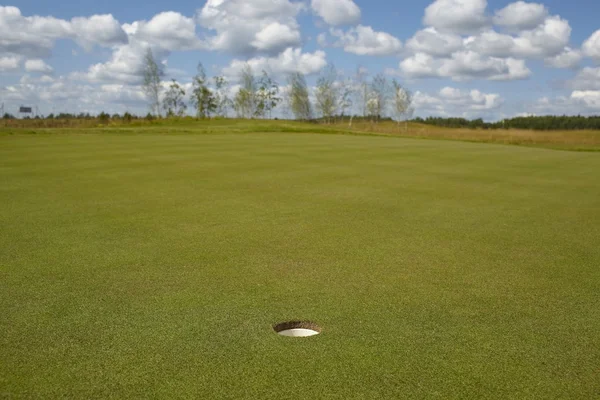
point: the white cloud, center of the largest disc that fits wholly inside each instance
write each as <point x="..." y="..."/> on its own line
<point x="521" y="16"/>
<point x="125" y="65"/>
<point x="164" y="33"/>
<point x="65" y="95"/>
<point x="275" y="35"/>
<point x="364" y="41"/>
<point x="9" y="63"/>
<point x="29" y="36"/>
<point x="322" y="39"/>
<point x="491" y="43"/>
<point x="591" y="47"/>
<point x="586" y="79"/>
<point x="580" y="102"/>
<point x="569" y="58"/>
<point x="546" y="40"/>
<point x="290" y="60"/>
<point x="168" y="30"/>
<point x="457" y="16"/>
<point x="464" y="65"/>
<point x="473" y="99"/>
<point x="35" y="36"/>
<point x="434" y="43"/>
<point x="420" y="65"/>
<point x="468" y="65"/>
<point x="37" y="65"/>
<point x="589" y="98"/>
<point x="455" y="102"/>
<point x="26" y="78"/>
<point x="337" y="12"/>
<point x="103" y="30"/>
<point x="550" y="38"/>
<point x="440" y="51"/>
<point x="242" y="27"/>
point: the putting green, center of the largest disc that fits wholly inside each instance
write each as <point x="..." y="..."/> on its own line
<point x="139" y="266"/>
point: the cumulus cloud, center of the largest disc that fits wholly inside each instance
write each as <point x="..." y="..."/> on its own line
<point x="35" y="36"/>
<point x="29" y="36"/>
<point x="548" y="39"/>
<point x="274" y="35"/>
<point x="591" y="47"/>
<point x="457" y="16"/>
<point x="432" y="42"/>
<point x="247" y="27"/>
<point x="290" y="60"/>
<point x="125" y="65"/>
<point x="337" y="12"/>
<point x="364" y="41"/>
<point x="455" y="102"/>
<point x="579" y="102"/>
<point x="27" y="78"/>
<point x="464" y="65"/>
<point x="37" y="65"/>
<point x="569" y="58"/>
<point x="9" y="63"/>
<point x="534" y="35"/>
<point x="167" y="30"/>
<point x="521" y="16"/>
<point x="103" y="30"/>
<point x="586" y="79"/>
<point x="589" y="98"/>
<point x="164" y="33"/>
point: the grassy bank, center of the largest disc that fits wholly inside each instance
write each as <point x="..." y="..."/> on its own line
<point x="584" y="140"/>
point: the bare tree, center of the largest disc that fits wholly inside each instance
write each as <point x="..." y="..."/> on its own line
<point x="298" y="97"/>
<point x="346" y="93"/>
<point x="379" y="96"/>
<point x="327" y="93"/>
<point x="402" y="103"/>
<point x="222" y="100"/>
<point x="245" y="101"/>
<point x="203" y="98"/>
<point x="174" y="103"/>
<point x="153" y="72"/>
<point x="361" y="90"/>
<point x="373" y="107"/>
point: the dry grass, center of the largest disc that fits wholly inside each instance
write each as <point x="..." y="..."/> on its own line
<point x="569" y="140"/>
<point x="49" y="123"/>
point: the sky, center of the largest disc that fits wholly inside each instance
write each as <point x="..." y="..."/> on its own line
<point x="489" y="59"/>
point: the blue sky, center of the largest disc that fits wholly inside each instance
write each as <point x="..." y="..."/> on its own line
<point x="472" y="58"/>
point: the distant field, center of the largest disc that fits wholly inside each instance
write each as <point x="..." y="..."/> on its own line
<point x="585" y="140"/>
<point x="152" y="263"/>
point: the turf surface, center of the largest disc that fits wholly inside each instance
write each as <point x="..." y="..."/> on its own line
<point x="139" y="266"/>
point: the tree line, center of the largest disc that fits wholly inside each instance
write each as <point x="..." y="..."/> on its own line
<point x="333" y="97"/>
<point x="543" y="123"/>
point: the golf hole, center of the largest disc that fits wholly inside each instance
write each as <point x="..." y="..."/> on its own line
<point x="297" y="329"/>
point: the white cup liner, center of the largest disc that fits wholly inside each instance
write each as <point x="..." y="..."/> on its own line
<point x="297" y="329"/>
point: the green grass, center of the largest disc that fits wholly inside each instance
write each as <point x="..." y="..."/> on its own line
<point x="154" y="266"/>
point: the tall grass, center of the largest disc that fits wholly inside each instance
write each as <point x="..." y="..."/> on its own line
<point x="568" y="139"/>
